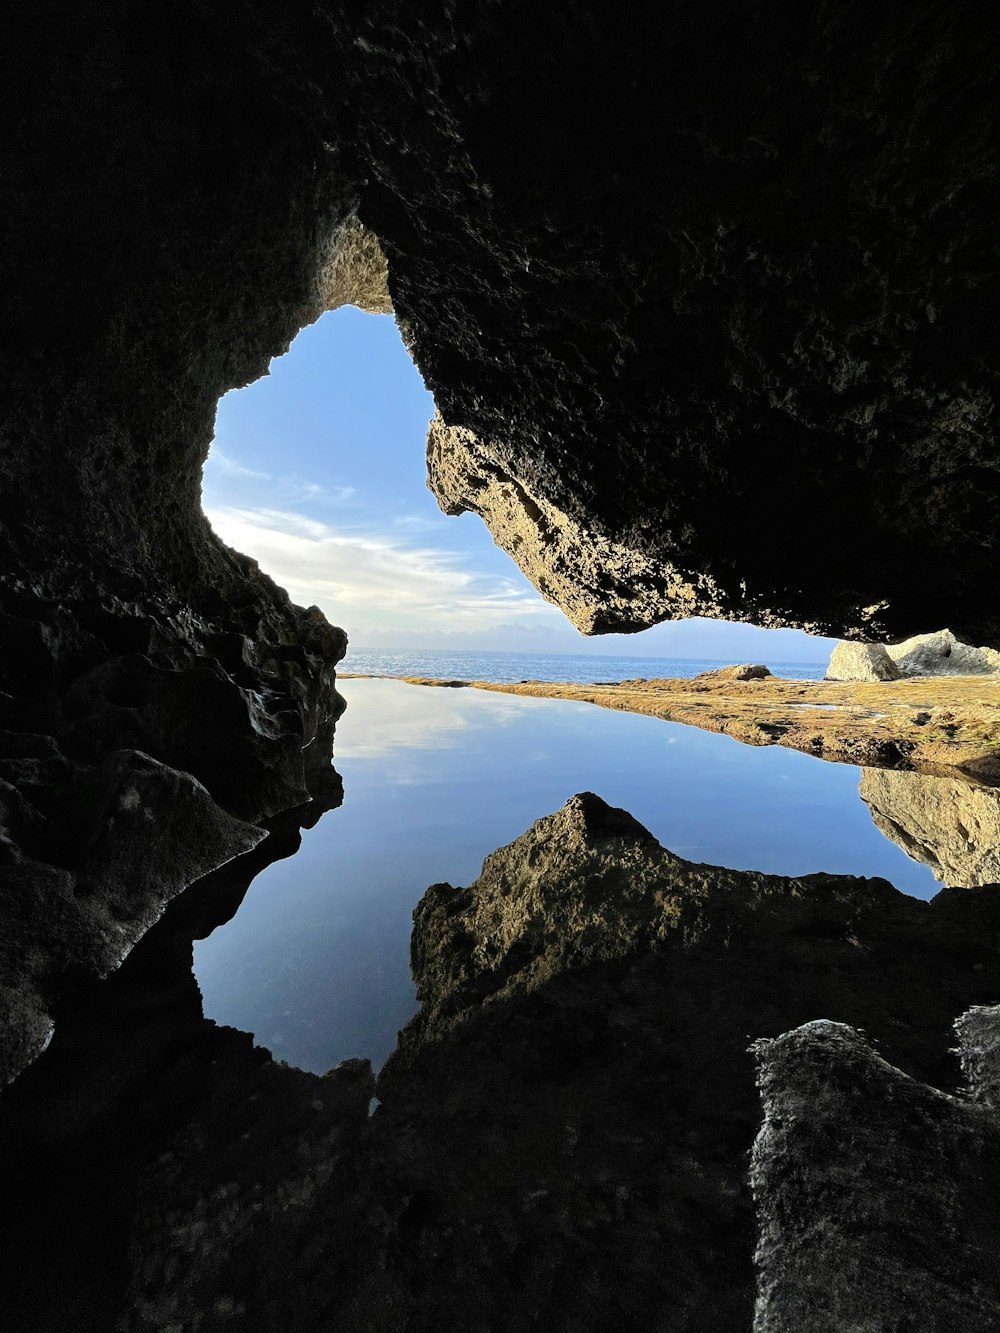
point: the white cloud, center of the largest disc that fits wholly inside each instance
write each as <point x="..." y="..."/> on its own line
<point x="225" y="475"/>
<point x="381" y="577"/>
<point x="229" y="466"/>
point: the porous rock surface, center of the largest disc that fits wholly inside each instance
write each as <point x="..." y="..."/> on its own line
<point x="731" y="352"/>
<point x="910" y="1241"/>
<point x="166" y="232"/>
<point x="950" y="824"/>
<point x="707" y="367"/>
<point x="939" y="654"/>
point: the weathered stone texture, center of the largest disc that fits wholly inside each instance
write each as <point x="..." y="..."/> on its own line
<point x="752" y="344"/>
<point x="952" y="825"/>
<point x="942" y="654"/>
<point x="876" y="1195"/>
<point x="861" y="661"/>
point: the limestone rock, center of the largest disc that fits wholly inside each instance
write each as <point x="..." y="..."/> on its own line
<point x="354" y="271"/>
<point x="861" y="661"/>
<point x="602" y="586"/>
<point x="941" y="654"/>
<point x="950" y="824"/>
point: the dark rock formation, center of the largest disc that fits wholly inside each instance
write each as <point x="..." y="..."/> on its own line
<point x="706" y="298"/>
<point x="950" y="824"/>
<point x="166" y="233"/>
<point x="563" y="1132"/>
<point x="708" y="292"/>
<point x="877" y="1197"/>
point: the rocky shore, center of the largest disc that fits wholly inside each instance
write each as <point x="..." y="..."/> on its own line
<point x="931" y="724"/>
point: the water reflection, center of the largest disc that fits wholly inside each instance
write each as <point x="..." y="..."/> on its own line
<point x="563" y="1134"/>
<point x="950" y="824"/>
<point x="316" y="963"/>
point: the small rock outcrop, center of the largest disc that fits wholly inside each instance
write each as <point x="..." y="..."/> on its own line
<point x="740" y="671"/>
<point x="861" y="661"/>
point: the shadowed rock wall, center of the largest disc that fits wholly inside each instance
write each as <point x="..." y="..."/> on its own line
<point x="171" y="218"/>
<point x="711" y="287"/>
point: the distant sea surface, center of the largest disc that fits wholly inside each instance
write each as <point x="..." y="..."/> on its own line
<point x="580" y="668"/>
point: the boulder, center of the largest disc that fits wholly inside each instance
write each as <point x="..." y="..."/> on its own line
<point x="740" y="671"/>
<point x="862" y="661"/>
<point x="942" y="654"/>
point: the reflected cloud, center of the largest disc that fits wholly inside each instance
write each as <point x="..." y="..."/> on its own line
<point x="382" y="719"/>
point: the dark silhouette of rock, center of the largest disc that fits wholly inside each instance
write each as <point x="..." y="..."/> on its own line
<point x="876" y="1194"/>
<point x="861" y="661"/>
<point x="706" y="301"/>
<point x="562" y="1134"/>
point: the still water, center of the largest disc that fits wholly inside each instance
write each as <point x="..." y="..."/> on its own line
<point x="316" y="961"/>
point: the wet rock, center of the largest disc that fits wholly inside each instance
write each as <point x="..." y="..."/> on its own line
<point x="862" y="661"/>
<point x="950" y="824"/>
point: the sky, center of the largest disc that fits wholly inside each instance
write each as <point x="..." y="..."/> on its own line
<point x="317" y="471"/>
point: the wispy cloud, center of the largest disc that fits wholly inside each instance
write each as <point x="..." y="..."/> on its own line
<point x="229" y="466"/>
<point x="223" y="474"/>
<point x="384" y="578"/>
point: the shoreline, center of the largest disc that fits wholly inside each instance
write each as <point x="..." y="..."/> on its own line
<point x="930" y="724"/>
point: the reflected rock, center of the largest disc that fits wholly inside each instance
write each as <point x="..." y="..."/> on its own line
<point x="950" y="825"/>
<point x="563" y="1131"/>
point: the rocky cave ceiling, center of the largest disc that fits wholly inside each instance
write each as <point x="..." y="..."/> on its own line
<point x="705" y="299"/>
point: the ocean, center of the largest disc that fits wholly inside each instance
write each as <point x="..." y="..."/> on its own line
<point x="580" y="668"/>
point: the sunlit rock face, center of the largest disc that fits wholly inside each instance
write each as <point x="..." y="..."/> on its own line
<point x="714" y="288"/>
<point x="942" y="654"/>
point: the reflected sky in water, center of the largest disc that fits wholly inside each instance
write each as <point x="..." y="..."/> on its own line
<point x="316" y="961"/>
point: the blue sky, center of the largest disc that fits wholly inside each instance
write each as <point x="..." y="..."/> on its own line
<point x="317" y="471"/>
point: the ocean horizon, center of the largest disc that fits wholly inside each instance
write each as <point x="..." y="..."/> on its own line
<point x="578" y="668"/>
